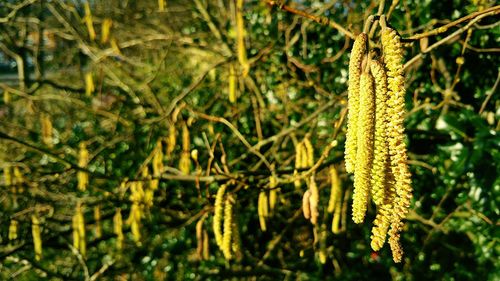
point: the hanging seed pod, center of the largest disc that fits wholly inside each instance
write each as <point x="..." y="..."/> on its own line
<point x="240" y="33"/>
<point x="393" y="57"/>
<point x="88" y="21"/>
<point x="306" y="207"/>
<point x="105" y="30"/>
<point x="364" y="152"/>
<point x="228" y="227"/>
<point x="380" y="137"/>
<point x="13" y="226"/>
<point x="232" y="84"/>
<point x="47" y="130"/>
<point x="313" y="200"/>
<point x="118" y="228"/>
<point x="357" y="54"/>
<point x="89" y="84"/>
<point x="83" y="158"/>
<point x="97" y="218"/>
<point x="263" y="210"/>
<point x="218" y="211"/>
<point x="37" y="239"/>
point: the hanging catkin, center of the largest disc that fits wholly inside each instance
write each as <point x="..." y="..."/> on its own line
<point x="384" y="215"/>
<point x="306" y="207"/>
<point x="228" y="227"/>
<point x="335" y="203"/>
<point x="357" y="54"/>
<point x="240" y="33"/>
<point x="393" y="57"/>
<point x="78" y="224"/>
<point x="105" y="30"/>
<point x="380" y="137"/>
<point x="273" y="192"/>
<point x="37" y="238"/>
<point x="218" y="212"/>
<point x="7" y="175"/>
<point x="364" y="152"/>
<point x="118" y="228"/>
<point x="172" y="139"/>
<point x="199" y="238"/>
<point x="97" y="218"/>
<point x="298" y="163"/>
<point x="88" y="20"/>
<point x="185" y="161"/>
<point x="89" y="84"/>
<point x="313" y="200"/>
<point x="47" y="130"/>
<point x="13" y="230"/>
<point x="161" y="5"/>
<point x="232" y="84"/>
<point x="82" y="176"/>
<point x="263" y="209"/>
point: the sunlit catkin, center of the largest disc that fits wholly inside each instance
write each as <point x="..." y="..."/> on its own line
<point x="118" y="228"/>
<point x="273" y="192"/>
<point x="357" y="54"/>
<point x="7" y="175"/>
<point x="105" y="30"/>
<point x="262" y="209"/>
<point x="88" y="20"/>
<point x="171" y="140"/>
<point x="161" y="5"/>
<point x="185" y="161"/>
<point x="240" y="33"/>
<point x="78" y="225"/>
<point x="97" y="219"/>
<point x="47" y="130"/>
<point x="309" y="153"/>
<point x="364" y="153"/>
<point x="228" y="227"/>
<point x="380" y="137"/>
<point x="335" y="190"/>
<point x="6" y="96"/>
<point x="82" y="176"/>
<point x="298" y="164"/>
<point x="218" y="212"/>
<point x="232" y="84"/>
<point x="89" y="84"/>
<point x="37" y="238"/>
<point x="13" y="230"/>
<point x="199" y="238"/>
<point x="393" y="57"/>
<point x="306" y="207"/>
<point x="384" y="215"/>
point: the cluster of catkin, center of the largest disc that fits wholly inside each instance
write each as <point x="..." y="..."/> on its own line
<point x="375" y="149"/>
<point x="267" y="202"/>
<point x="225" y="226"/>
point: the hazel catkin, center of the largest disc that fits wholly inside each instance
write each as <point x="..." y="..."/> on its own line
<point x="218" y="211"/>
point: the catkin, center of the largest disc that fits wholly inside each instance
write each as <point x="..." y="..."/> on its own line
<point x="157" y="162"/>
<point x="83" y="158"/>
<point x="306" y="207"/>
<point x="262" y="209"/>
<point x="78" y="224"/>
<point x="13" y="230"/>
<point x="6" y="96"/>
<point x="199" y="238"/>
<point x="185" y="161"/>
<point x="172" y="140"/>
<point x="335" y="190"/>
<point x="309" y="152"/>
<point x="364" y="153"/>
<point x="393" y="56"/>
<point x="357" y="54"/>
<point x="206" y="247"/>
<point x="240" y="33"/>
<point x="89" y="84"/>
<point x="218" y="211"/>
<point x="380" y="138"/>
<point x="118" y="228"/>
<point x="47" y="130"/>
<point x="7" y="176"/>
<point x="313" y="200"/>
<point x="161" y="5"/>
<point x="105" y="30"/>
<point x="232" y="84"/>
<point x="37" y="239"/>
<point x="273" y="192"/>
<point x="384" y="215"/>
<point x="88" y="21"/>
<point x="228" y="227"/>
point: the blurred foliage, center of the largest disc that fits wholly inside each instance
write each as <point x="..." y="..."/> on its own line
<point x="163" y="69"/>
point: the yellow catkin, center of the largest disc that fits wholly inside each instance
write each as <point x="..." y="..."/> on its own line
<point x="88" y="21"/>
<point x="364" y="152"/>
<point x="97" y="218"/>
<point x="199" y="238"/>
<point x="185" y="161"/>
<point x="313" y="200"/>
<point x="218" y="212"/>
<point x="384" y="215"/>
<point x="37" y="238"/>
<point x="118" y="228"/>
<point x="172" y="139"/>
<point x="357" y="54"/>
<point x="78" y="225"/>
<point x="18" y="176"/>
<point x="105" y="30"/>
<point x="157" y="162"/>
<point x="135" y="223"/>
<point x="46" y="130"/>
<point x="335" y="190"/>
<point x="322" y="245"/>
<point x="228" y="227"/>
<point x="240" y="33"/>
<point x="273" y="192"/>
<point x="306" y="207"/>
<point x="83" y="158"/>
<point x="262" y="209"/>
<point x="309" y="152"/>
<point x="232" y="84"/>
<point x="206" y="245"/>
<point x="161" y="5"/>
<point x="89" y="84"/>
<point x="336" y="218"/>
<point x="298" y="164"/>
<point x="380" y="137"/>
<point x="13" y="226"/>
<point x="236" y="242"/>
<point x="393" y="57"/>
